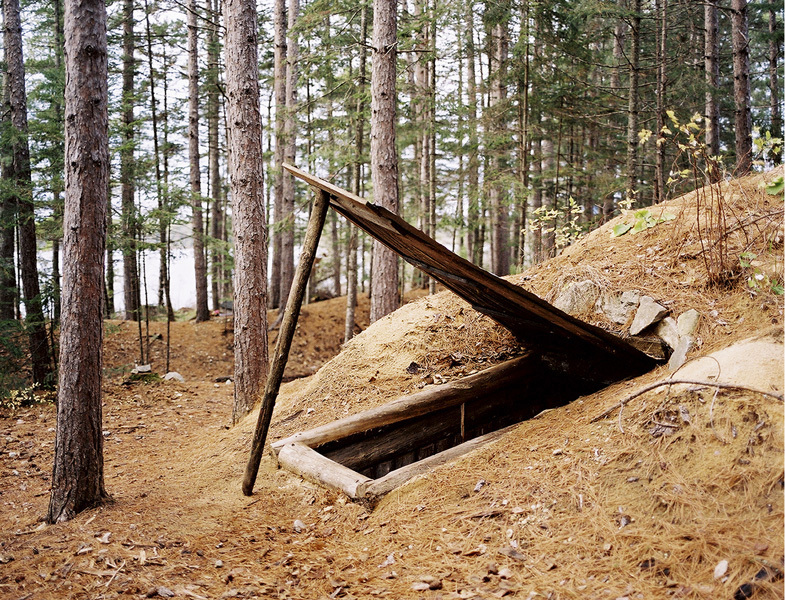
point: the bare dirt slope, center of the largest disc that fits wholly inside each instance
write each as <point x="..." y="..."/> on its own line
<point x="678" y="495"/>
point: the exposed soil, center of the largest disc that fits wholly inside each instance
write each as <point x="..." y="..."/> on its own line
<point x="646" y="503"/>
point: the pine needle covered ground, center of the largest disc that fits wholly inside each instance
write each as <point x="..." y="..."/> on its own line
<point x="678" y="495"/>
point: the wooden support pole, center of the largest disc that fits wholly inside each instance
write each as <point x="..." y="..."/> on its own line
<point x="285" y="335"/>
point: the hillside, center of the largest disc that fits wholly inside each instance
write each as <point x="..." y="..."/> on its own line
<point x="680" y="495"/>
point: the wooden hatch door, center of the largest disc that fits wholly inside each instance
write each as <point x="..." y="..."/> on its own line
<point x="567" y="344"/>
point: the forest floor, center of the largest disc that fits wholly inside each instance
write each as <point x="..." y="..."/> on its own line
<point x="679" y="496"/>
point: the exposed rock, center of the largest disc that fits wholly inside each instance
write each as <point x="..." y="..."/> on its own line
<point x="679" y="355"/>
<point x="648" y="313"/>
<point x="649" y="344"/>
<point x="619" y="309"/>
<point x="668" y="332"/>
<point x="578" y="298"/>
<point x="688" y="322"/>
<point x="142" y="369"/>
<point x="173" y="376"/>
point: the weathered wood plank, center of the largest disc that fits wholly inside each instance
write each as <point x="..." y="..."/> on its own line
<point x="484" y="412"/>
<point x="420" y="403"/>
<point x="376" y="488"/>
<point x="578" y="346"/>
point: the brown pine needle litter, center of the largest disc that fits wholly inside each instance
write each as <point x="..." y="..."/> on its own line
<point x="684" y="500"/>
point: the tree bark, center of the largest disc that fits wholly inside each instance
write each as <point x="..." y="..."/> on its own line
<point x="127" y="171"/>
<point x="279" y="91"/>
<point x="633" y="105"/>
<point x="77" y="477"/>
<point x="359" y="139"/>
<point x="712" y="74"/>
<point x="20" y="175"/>
<point x="774" y="88"/>
<point x="200" y="265"/>
<point x="662" y="83"/>
<point x="8" y="290"/>
<point x="741" y="86"/>
<point x="384" y="156"/>
<point x="213" y="108"/>
<point x="474" y="248"/>
<point x="290" y="146"/>
<point x="250" y="234"/>
<point x="500" y="258"/>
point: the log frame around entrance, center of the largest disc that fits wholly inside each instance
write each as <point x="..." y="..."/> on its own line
<point x="414" y="433"/>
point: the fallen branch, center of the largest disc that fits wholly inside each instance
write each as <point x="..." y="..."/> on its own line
<point x="715" y="384"/>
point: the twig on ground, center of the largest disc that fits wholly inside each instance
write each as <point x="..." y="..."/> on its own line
<point x="120" y="568"/>
<point x="715" y="384"/>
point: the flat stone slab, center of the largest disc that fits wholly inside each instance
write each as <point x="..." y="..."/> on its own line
<point x="648" y="313"/>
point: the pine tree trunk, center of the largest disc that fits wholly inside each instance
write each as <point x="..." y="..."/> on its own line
<point x="537" y="246"/>
<point x="500" y="258"/>
<point x="77" y="477"/>
<point x="213" y="107"/>
<point x="712" y="71"/>
<point x="359" y="138"/>
<point x="289" y="151"/>
<point x="279" y="91"/>
<point x="633" y="105"/>
<point x="200" y="266"/>
<point x="247" y="191"/>
<point x="524" y="142"/>
<point x="741" y="86"/>
<point x="57" y="191"/>
<point x="384" y="157"/>
<point x="662" y="82"/>
<point x="7" y="265"/>
<point x="163" y="275"/>
<point x="167" y="225"/>
<point x="127" y="171"/>
<point x="474" y="247"/>
<point x="21" y="178"/>
<point x="774" y="88"/>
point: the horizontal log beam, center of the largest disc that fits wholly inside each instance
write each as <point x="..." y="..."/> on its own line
<point x="430" y="399"/>
<point x="314" y="467"/>
<point x="376" y="488"/>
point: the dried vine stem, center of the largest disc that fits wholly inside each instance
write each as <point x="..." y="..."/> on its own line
<point x="715" y="384"/>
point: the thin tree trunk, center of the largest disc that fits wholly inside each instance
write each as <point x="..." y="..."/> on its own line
<point x="474" y="247"/>
<point x="384" y="157"/>
<point x="712" y="71"/>
<point x="523" y="149"/>
<point x="167" y="225"/>
<point x="163" y="276"/>
<point x="21" y="177"/>
<point x="127" y="170"/>
<point x="289" y="151"/>
<point x="7" y="266"/>
<point x="57" y="186"/>
<point x="359" y="137"/>
<point x="77" y="477"/>
<point x="662" y="83"/>
<point x="741" y="87"/>
<point x="774" y="87"/>
<point x="279" y="91"/>
<point x="200" y="266"/>
<point x="247" y="191"/>
<point x="214" y="150"/>
<point x="633" y="104"/>
<point x="500" y="258"/>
